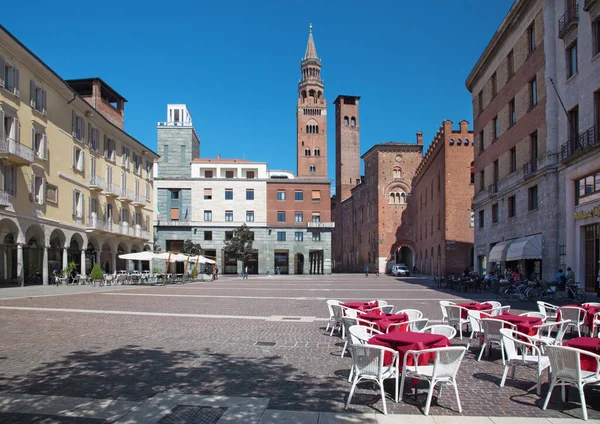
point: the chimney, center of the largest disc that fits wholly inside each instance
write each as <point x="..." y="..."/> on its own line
<point x="464" y="126"/>
<point x="420" y="138"/>
<point x="218" y="155"/>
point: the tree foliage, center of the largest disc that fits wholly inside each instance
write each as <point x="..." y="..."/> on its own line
<point x="239" y="246"/>
<point x="191" y="248"/>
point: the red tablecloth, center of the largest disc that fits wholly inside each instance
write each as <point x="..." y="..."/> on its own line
<point x="474" y="306"/>
<point x="591" y="344"/>
<point x="524" y="324"/>
<point x="405" y="341"/>
<point x="361" y="306"/>
<point x="384" y="320"/>
<point x="589" y="317"/>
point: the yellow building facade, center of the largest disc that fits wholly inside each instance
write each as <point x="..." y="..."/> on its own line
<point x="74" y="186"/>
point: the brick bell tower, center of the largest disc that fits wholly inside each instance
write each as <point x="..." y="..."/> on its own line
<point x="311" y="117"/>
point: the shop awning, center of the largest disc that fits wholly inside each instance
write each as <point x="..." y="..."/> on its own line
<point x="529" y="247"/>
<point x="498" y="252"/>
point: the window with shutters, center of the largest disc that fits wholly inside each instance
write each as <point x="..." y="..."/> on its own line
<point x="124" y="215"/>
<point x="228" y="174"/>
<point x="8" y="174"/>
<point x="125" y="157"/>
<point x="39" y="143"/>
<point x="148" y="193"/>
<point x="149" y="169"/>
<point x="147" y="223"/>
<point x="137" y="164"/>
<point x="37" y="98"/>
<point x="78" y="159"/>
<point x="12" y="128"/>
<point x="77" y="204"/>
<point x="9" y="76"/>
<point x="316" y="196"/>
<point x="110" y="148"/>
<point x="208" y="174"/>
<point x="208" y="194"/>
<point x="94" y="138"/>
<point x="78" y="127"/>
<point x="51" y="195"/>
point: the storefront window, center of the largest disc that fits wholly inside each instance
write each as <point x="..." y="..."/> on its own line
<point x="587" y="185"/>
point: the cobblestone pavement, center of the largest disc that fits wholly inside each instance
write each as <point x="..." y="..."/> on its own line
<point x="262" y="337"/>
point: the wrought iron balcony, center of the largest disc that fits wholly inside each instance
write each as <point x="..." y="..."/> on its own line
<point x="16" y="153"/>
<point x="568" y="21"/>
<point x="139" y="200"/>
<point x="6" y="198"/>
<point x="579" y="144"/>
<point x="530" y="167"/>
<point x="96" y="183"/>
<point x="126" y="195"/>
<point x="493" y="189"/>
<point x="112" y="190"/>
<point x="588" y="4"/>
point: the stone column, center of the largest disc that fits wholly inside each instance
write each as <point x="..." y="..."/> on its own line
<point x="45" y="267"/>
<point x="113" y="256"/>
<point x="65" y="258"/>
<point x="82" y="262"/>
<point x="99" y="257"/>
<point x="20" y="277"/>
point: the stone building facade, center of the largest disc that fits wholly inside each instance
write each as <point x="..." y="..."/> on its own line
<point x="516" y="158"/>
<point x="441" y="195"/>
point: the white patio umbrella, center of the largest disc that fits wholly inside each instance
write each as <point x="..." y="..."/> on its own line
<point x="138" y="256"/>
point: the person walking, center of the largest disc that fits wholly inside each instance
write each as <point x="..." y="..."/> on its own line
<point x="245" y="275"/>
<point x="367" y="271"/>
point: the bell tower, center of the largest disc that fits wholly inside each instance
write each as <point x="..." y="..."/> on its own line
<point x="311" y="117"/>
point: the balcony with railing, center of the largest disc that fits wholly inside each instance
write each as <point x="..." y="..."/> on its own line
<point x="139" y="200"/>
<point x="588" y="4"/>
<point x="96" y="183"/>
<point x="312" y="224"/>
<point x="112" y="190"/>
<point x="580" y="144"/>
<point x="568" y="21"/>
<point x="126" y="195"/>
<point x="15" y="153"/>
<point x="530" y="168"/>
<point x="493" y="189"/>
<point x="95" y="224"/>
<point x="6" y="199"/>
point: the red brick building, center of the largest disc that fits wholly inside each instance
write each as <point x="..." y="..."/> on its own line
<point x="442" y="194"/>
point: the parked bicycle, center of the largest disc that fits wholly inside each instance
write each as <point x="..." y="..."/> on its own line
<point x="34" y="277"/>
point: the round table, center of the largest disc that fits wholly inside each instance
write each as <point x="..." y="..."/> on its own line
<point x="404" y="341"/>
<point x="524" y="325"/>
<point x="361" y="306"/>
<point x="383" y="321"/>
<point x="474" y="306"/>
<point x="590" y="344"/>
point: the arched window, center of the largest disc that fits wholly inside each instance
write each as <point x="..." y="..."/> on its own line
<point x="451" y="142"/>
<point x="319" y="94"/>
<point x="316" y="129"/>
<point x="402" y="198"/>
<point x="345" y="121"/>
<point x="317" y="152"/>
<point x="458" y="142"/>
<point x="306" y="152"/>
<point x="311" y="93"/>
<point x="466" y="141"/>
<point x="312" y="168"/>
<point x="304" y="94"/>
<point x="353" y="121"/>
<point x="397" y="172"/>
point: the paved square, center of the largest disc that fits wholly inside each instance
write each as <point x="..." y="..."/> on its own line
<point x="105" y="354"/>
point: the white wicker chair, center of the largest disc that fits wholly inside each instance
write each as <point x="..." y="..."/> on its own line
<point x="591" y="304"/>
<point x="336" y="320"/>
<point x="550" y="310"/>
<point x="412" y="313"/>
<point x="540" y="315"/>
<point x="348" y="322"/>
<point x="490" y="329"/>
<point x="513" y="341"/>
<point x="360" y="334"/>
<point x="596" y="325"/>
<point x="495" y="304"/>
<point x="443" y="371"/>
<point x="499" y="311"/>
<point x="455" y="317"/>
<point x="566" y="370"/>
<point x="442" y="329"/>
<point x="575" y="315"/>
<point x="443" y="304"/>
<point x="331" y="321"/>
<point x="544" y="332"/>
<point x="387" y="309"/>
<point x="474" y="318"/>
<point x="367" y="364"/>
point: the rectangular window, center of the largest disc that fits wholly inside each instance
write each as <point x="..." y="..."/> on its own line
<point x="10" y="76"/>
<point x="174" y="194"/>
<point x="39" y="143"/>
<point x="37" y="98"/>
<point x="510" y="64"/>
<point x="77" y="204"/>
<point x="512" y="160"/>
<point x="78" y="159"/>
<point x="280" y="216"/>
<point x="482" y="180"/>
<point x="147" y="192"/>
<point x="316" y="217"/>
<point x="496" y="171"/>
<point x="125" y="157"/>
<point x="165" y="154"/>
<point x="512" y="206"/>
<point x="299" y="236"/>
<point x="208" y="235"/>
<point x="78" y="126"/>
<point x="495" y="123"/>
<point x="228" y="216"/>
<point x="250" y="175"/>
<point x="533" y="92"/>
<point x="596" y="36"/>
<point x="533" y="147"/>
<point x="228" y="174"/>
<point x="572" y="59"/>
<point x="480" y="102"/>
<point x="481" y="142"/>
<point x="52" y="194"/>
<point x="299" y="217"/>
<point x="228" y="235"/>
<point x="495" y="213"/>
<point x="249" y="216"/>
<point x="208" y="174"/>
<point x="298" y="195"/>
<point x="280" y="194"/>
<point x="574" y="124"/>
<point x="249" y="194"/>
<point x="481" y="219"/>
<point x="182" y="154"/>
<point x="512" y="111"/>
<point x="148" y="169"/>
<point x="208" y="194"/>
<point x="316" y="196"/>
<point x="175" y="214"/>
<point x="316" y="236"/>
<point x="208" y="215"/>
<point x="532" y="202"/>
<point x="280" y="235"/>
<point x="531" y="38"/>
<point x="94" y="138"/>
<point x="494" y="85"/>
<point x="228" y="194"/>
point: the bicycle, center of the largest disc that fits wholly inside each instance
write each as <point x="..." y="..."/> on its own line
<point x="577" y="293"/>
<point x="521" y="292"/>
<point x="34" y="277"/>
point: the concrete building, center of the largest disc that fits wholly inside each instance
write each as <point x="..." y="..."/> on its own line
<point x="442" y="192"/>
<point x="516" y="158"/>
<point x="572" y="40"/>
<point x="74" y="187"/>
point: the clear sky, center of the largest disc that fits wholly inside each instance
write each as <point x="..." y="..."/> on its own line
<point x="236" y="63"/>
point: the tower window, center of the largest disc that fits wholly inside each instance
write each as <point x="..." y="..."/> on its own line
<point x="345" y="121"/>
<point x="353" y="121"/>
<point x="312" y="168"/>
<point x="317" y="152"/>
<point x="306" y="152"/>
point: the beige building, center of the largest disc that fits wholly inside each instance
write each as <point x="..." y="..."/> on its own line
<point x="73" y="185"/>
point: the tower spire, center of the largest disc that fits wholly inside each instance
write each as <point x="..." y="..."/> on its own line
<point x="311" y="50"/>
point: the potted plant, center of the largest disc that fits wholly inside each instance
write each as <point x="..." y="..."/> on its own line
<point x="97" y="276"/>
<point x="195" y="273"/>
<point x="69" y="271"/>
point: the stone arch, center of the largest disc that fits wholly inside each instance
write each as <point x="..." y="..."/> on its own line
<point x="106" y="258"/>
<point x="79" y="239"/>
<point x="121" y="249"/>
<point x="317" y="151"/>
<point x="353" y="121"/>
<point x="10" y="235"/>
<point x="346" y="121"/>
<point x="11" y="226"/>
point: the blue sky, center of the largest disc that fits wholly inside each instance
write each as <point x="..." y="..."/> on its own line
<point x="236" y="63"/>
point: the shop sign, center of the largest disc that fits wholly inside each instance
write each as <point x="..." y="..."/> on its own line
<point x="595" y="213"/>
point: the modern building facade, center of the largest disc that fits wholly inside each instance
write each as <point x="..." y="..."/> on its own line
<point x="442" y="192"/>
<point x="516" y="156"/>
<point x="74" y="186"/>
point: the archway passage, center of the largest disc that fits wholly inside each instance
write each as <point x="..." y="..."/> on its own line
<point x="405" y="256"/>
<point x="299" y="264"/>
